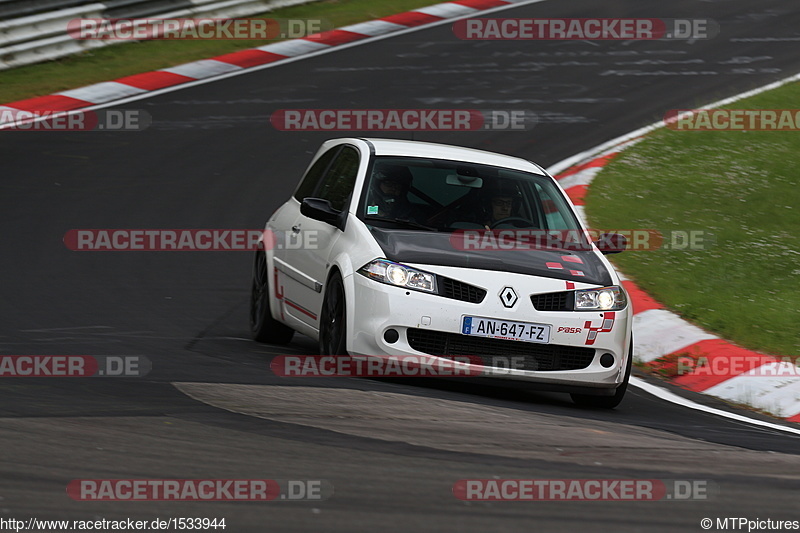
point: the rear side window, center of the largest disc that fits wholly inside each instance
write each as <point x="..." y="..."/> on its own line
<point x="338" y="183"/>
<point x="314" y="175"/>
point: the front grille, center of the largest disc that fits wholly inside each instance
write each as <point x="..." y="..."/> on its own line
<point x="458" y="290"/>
<point x="553" y="301"/>
<point x="527" y="355"/>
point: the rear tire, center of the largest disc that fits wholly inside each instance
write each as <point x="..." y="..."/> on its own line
<point x="263" y="327"/>
<point x="607" y="402"/>
<point x="333" y="321"/>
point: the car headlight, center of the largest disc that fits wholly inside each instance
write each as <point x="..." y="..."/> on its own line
<point x="603" y="299"/>
<point x="399" y="275"/>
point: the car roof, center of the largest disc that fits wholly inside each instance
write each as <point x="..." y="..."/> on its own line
<point x="400" y="147"/>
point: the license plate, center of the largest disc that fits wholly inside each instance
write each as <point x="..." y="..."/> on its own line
<point x="505" y="329"/>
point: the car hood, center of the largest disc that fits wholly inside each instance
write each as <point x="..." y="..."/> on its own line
<point x="432" y="248"/>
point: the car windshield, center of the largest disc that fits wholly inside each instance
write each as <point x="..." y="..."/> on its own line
<point x="439" y="195"/>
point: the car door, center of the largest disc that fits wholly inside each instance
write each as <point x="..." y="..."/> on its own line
<point x="310" y="241"/>
<point x="283" y="239"/>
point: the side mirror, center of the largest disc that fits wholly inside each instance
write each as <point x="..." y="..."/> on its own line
<point x="611" y="243"/>
<point x="321" y="210"/>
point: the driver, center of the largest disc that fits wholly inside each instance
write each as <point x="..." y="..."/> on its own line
<point x="389" y="192"/>
<point x="501" y="200"/>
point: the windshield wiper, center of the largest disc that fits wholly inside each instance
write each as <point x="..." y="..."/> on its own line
<point x="401" y="221"/>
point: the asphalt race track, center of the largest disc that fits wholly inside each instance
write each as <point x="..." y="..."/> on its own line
<point x="392" y="449"/>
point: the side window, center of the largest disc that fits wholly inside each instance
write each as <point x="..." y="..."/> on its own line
<point x="314" y="175"/>
<point x="339" y="181"/>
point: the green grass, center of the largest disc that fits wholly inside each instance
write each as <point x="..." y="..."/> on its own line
<point x="120" y="60"/>
<point x="740" y="186"/>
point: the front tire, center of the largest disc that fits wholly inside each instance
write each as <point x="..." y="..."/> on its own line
<point x="333" y="322"/>
<point x="263" y="327"/>
<point x="607" y="402"/>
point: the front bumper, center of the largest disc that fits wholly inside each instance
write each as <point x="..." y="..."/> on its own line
<point x="431" y="324"/>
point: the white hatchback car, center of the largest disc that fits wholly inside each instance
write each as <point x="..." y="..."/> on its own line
<point x="392" y="247"/>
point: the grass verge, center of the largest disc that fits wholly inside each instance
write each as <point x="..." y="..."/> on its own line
<point x="120" y="60"/>
<point x="742" y="187"/>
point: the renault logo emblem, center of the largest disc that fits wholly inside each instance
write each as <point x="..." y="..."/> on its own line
<point x="508" y="297"/>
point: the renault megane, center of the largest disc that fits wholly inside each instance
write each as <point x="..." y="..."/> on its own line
<point x="394" y="248"/>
